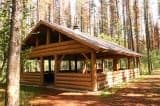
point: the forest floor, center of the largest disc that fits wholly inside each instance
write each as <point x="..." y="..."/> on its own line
<point x="141" y="92"/>
<point x="144" y="91"/>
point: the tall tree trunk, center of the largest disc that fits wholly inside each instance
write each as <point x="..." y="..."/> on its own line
<point x="13" y="66"/>
<point x="147" y="34"/>
<point x="73" y="12"/>
<point x="37" y="10"/>
<point x="92" y="23"/>
<point x="102" y="17"/>
<point x="136" y="23"/>
<point x="57" y="11"/>
<point x="112" y="17"/>
<point x="124" y="23"/>
<point x="129" y="26"/>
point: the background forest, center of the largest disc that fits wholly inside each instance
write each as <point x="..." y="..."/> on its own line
<point x="133" y="24"/>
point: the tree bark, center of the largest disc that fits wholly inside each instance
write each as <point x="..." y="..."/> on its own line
<point x="136" y="23"/>
<point x="13" y="66"/>
<point x="147" y="35"/>
<point x="129" y="26"/>
<point x="124" y="23"/>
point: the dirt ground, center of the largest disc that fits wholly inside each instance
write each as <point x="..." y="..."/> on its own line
<point x="144" y="92"/>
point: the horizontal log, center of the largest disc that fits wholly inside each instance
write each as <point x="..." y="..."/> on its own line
<point x="73" y="78"/>
<point x="72" y="42"/>
<point x="30" y="83"/>
<point x="73" y="75"/>
<point x="58" y="48"/>
<point x="70" y="51"/>
<point x="31" y="73"/>
<point x="73" y="86"/>
<point x="78" y="83"/>
<point x="31" y="79"/>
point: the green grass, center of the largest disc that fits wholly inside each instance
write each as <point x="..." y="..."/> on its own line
<point x="107" y="92"/>
<point x="26" y="94"/>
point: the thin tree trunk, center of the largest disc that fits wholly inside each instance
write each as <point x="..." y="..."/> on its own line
<point x="124" y="23"/>
<point x="147" y="34"/>
<point x="37" y="10"/>
<point x="129" y="27"/>
<point x="102" y="16"/>
<point x="13" y="66"/>
<point x="112" y="17"/>
<point x="136" y="28"/>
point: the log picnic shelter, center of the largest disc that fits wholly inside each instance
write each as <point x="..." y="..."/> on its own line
<point x="74" y="59"/>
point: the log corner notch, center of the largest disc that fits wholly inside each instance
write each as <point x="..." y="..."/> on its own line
<point x="94" y="71"/>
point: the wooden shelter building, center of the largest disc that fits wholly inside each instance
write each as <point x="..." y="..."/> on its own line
<point x="82" y="54"/>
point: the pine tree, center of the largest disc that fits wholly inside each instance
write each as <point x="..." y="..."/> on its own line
<point x="13" y="67"/>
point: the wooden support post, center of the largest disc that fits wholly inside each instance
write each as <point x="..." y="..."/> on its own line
<point x="48" y="37"/>
<point x="37" y="42"/>
<point x="59" y="37"/>
<point x="22" y="66"/>
<point x="115" y="64"/>
<point x="69" y="65"/>
<point x="55" y="67"/>
<point x="137" y="62"/>
<point x="49" y="65"/>
<point x="85" y="67"/>
<point x="134" y="62"/>
<point x="38" y="65"/>
<point x="42" y="70"/>
<point x="102" y="65"/>
<point x="75" y="65"/>
<point x="129" y="63"/>
<point x="94" y="71"/>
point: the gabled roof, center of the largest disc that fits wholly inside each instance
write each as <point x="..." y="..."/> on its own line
<point x="93" y="42"/>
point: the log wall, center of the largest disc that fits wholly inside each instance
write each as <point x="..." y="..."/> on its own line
<point x="82" y="81"/>
<point x="67" y="47"/>
<point x="31" y="78"/>
<point x="79" y="80"/>
<point x="73" y="80"/>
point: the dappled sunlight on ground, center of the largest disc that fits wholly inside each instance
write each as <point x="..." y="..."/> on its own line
<point x="68" y="99"/>
<point x="142" y="92"/>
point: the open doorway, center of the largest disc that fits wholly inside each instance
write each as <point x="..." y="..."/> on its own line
<point x="48" y="71"/>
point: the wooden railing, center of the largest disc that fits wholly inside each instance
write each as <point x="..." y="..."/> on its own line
<point x="120" y="76"/>
<point x="101" y="80"/>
